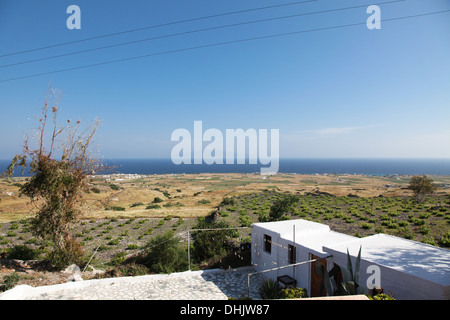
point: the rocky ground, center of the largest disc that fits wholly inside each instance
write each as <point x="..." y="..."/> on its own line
<point x="34" y="273"/>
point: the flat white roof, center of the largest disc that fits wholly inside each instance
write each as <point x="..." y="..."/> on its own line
<point x="318" y="240"/>
<point x="309" y="234"/>
<point x="411" y="257"/>
<point x="286" y="227"/>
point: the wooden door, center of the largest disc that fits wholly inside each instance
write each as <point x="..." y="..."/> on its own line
<point x="316" y="276"/>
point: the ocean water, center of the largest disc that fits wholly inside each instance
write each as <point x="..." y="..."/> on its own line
<point x="299" y="166"/>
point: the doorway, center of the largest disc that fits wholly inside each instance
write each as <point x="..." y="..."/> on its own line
<point x="316" y="275"/>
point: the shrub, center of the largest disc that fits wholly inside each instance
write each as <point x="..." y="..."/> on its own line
<point x="381" y="296"/>
<point x="157" y="200"/>
<point x="71" y="253"/>
<point x="114" y="187"/>
<point x="113" y="242"/>
<point x="136" y="204"/>
<point x="211" y="243"/>
<point x="421" y="186"/>
<point x="14" y="226"/>
<point x="116" y="208"/>
<point x="228" y="201"/>
<point x="445" y="240"/>
<point x="9" y="281"/>
<point x="127" y="270"/>
<point x="148" y="231"/>
<point x="22" y="252"/>
<point x="367" y="226"/>
<point x="118" y="258"/>
<point x="282" y="206"/>
<point x="295" y="293"/>
<point x="163" y="254"/>
<point x="95" y="190"/>
<point x="428" y="240"/>
<point x="270" y="289"/>
<point x="245" y="221"/>
<point x="424" y="230"/>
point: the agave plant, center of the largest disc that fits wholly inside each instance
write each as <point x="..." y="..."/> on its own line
<point x="270" y="289"/>
<point x="343" y="280"/>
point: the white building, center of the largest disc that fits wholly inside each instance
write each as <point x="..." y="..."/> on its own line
<point x="407" y="269"/>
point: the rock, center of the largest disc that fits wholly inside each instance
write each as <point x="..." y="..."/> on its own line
<point x="75" y="277"/>
<point x="75" y="273"/>
<point x="73" y="268"/>
<point x="96" y="271"/>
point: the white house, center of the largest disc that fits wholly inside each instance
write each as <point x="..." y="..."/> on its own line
<point x="405" y="268"/>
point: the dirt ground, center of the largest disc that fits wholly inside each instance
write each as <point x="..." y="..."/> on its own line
<point x="34" y="274"/>
<point x="182" y="194"/>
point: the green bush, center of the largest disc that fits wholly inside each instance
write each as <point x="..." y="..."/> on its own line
<point x="113" y="242"/>
<point x="9" y="281"/>
<point x="22" y="252"/>
<point x="157" y="200"/>
<point x="282" y="206"/>
<point x="211" y="243"/>
<point x="445" y="240"/>
<point x="136" y="204"/>
<point x="14" y="226"/>
<point x="11" y="234"/>
<point x="118" y="258"/>
<point x="228" y="201"/>
<point x="270" y="289"/>
<point x="114" y="187"/>
<point x="294" y="293"/>
<point x="163" y="254"/>
<point x="367" y="226"/>
<point x="71" y="253"/>
<point x="95" y="190"/>
<point x="115" y="208"/>
<point x="381" y="296"/>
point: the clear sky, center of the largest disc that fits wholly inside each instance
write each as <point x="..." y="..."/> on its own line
<point x="343" y="91"/>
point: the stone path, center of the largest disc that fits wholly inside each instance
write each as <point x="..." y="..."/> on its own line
<point x="190" y="285"/>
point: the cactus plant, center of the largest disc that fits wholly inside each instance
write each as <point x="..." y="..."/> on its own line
<point x="343" y="281"/>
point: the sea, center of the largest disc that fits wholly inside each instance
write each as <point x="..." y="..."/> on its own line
<point x="376" y="167"/>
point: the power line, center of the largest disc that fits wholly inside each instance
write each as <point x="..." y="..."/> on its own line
<point x="158" y="26"/>
<point x="196" y="31"/>
<point x="219" y="44"/>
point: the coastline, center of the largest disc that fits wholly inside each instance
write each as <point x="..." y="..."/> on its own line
<point x="303" y="166"/>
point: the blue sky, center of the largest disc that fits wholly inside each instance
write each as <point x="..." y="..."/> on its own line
<point x="342" y="92"/>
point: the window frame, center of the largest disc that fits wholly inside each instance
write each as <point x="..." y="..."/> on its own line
<point x="267" y="243"/>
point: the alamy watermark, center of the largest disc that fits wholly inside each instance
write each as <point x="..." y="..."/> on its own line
<point x="228" y="147"/>
<point x="374" y="280"/>
<point x="374" y="20"/>
<point x="74" y="20"/>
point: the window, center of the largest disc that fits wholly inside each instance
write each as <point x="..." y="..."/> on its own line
<point x="267" y="243"/>
<point x="292" y="254"/>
